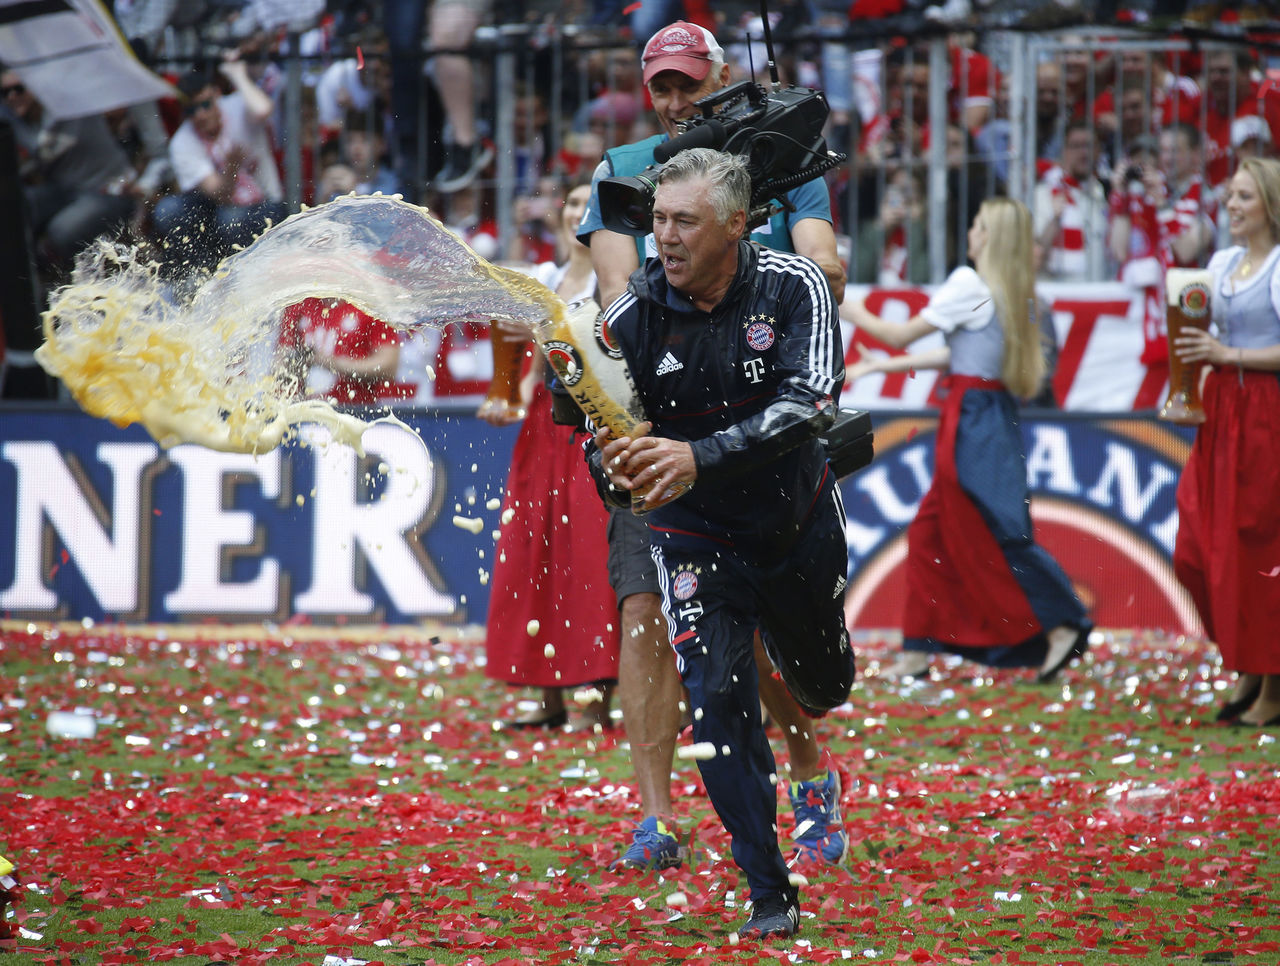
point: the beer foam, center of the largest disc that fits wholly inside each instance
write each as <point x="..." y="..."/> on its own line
<point x="1177" y="280"/>
<point x="205" y="368"/>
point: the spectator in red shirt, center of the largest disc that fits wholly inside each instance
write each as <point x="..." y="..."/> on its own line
<point x="1230" y="92"/>
<point x="974" y="85"/>
<point x="1251" y="138"/>
<point x="1162" y="216"/>
<point x="335" y="351"/>
<point x="1189" y="210"/>
<point x="1150" y="96"/>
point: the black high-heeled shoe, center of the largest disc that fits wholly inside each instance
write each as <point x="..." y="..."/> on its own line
<point x="557" y="719"/>
<point x="1078" y="647"/>
<point x="1233" y="709"/>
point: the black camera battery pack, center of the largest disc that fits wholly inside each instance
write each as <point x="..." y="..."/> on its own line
<point x="850" y="442"/>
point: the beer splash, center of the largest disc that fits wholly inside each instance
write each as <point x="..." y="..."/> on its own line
<point x="206" y="369"/>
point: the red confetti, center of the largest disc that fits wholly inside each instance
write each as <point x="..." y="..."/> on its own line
<point x="347" y="789"/>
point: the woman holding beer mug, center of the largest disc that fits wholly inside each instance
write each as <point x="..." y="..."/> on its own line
<point x="1227" y="553"/>
<point x="552" y="622"/>
<point x="978" y="585"/>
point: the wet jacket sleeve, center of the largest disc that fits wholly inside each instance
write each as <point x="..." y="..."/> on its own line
<point x="809" y="372"/>
<point x="610" y="495"/>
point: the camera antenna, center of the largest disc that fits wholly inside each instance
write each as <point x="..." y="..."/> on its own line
<point x="768" y="44"/>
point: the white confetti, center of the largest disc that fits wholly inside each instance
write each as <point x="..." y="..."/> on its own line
<point x="549" y="651"/>
<point x="700" y="750"/>
<point x="677" y="900"/>
<point x="532" y="627"/>
<point x="492" y="503"/>
<point x="797" y="880"/>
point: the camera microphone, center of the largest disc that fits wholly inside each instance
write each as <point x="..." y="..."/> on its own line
<point x="710" y="133"/>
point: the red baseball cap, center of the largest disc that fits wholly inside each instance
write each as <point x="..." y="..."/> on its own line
<point x="681" y="46"/>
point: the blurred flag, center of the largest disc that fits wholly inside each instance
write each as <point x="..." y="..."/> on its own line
<point x="70" y="54"/>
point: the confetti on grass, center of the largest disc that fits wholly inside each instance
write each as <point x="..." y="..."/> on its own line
<point x="310" y="792"/>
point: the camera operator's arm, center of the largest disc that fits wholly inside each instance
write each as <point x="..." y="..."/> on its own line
<point x="613" y="255"/>
<point x="614" y="258"/>
<point x="816" y="239"/>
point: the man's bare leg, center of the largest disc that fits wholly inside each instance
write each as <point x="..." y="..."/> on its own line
<point x="797" y="727"/>
<point x="453" y="24"/>
<point x="814" y="789"/>
<point x="649" y="696"/>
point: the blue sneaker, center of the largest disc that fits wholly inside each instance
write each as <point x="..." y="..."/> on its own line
<point x="653" y="847"/>
<point x="819" y="833"/>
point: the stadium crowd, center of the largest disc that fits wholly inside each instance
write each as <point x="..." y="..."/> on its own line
<point x="1133" y="140"/>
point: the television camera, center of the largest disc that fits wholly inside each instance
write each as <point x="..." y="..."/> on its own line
<point x="778" y="131"/>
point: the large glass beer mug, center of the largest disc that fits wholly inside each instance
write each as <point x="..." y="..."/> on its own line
<point x="1186" y="306"/>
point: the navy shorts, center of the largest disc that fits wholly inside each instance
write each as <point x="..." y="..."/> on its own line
<point x="631" y="566"/>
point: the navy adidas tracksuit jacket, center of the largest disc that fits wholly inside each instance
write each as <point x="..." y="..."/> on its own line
<point x="759" y="540"/>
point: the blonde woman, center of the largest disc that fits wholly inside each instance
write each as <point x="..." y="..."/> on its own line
<point x="978" y="585"/>
<point x="1228" y="545"/>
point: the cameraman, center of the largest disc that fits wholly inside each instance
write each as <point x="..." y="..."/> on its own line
<point x="681" y="64"/>
<point x="735" y="352"/>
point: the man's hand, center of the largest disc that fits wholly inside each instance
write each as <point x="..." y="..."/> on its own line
<point x="652" y="465"/>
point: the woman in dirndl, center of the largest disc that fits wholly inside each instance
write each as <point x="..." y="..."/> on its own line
<point x="553" y="621"/>
<point x="1227" y="553"/>
<point x="978" y="584"/>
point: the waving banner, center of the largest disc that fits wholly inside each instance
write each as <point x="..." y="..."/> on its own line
<point x="73" y="58"/>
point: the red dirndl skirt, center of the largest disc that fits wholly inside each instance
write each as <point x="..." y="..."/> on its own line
<point x="551" y="566"/>
<point x="976" y="580"/>
<point x="1227" y="553"/>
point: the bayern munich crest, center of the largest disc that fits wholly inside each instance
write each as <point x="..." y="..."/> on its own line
<point x="604" y="338"/>
<point x="1194" y="300"/>
<point x="760" y="336"/>
<point x="565" y="361"/>
<point x="685" y="585"/>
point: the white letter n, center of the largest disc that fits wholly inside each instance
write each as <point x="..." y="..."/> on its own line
<point x="102" y="545"/>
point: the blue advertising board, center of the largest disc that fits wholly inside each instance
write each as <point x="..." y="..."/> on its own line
<point x="100" y="522"/>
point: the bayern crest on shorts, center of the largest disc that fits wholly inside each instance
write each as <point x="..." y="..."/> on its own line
<point x="685" y="585"/>
<point x="760" y="336"/>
